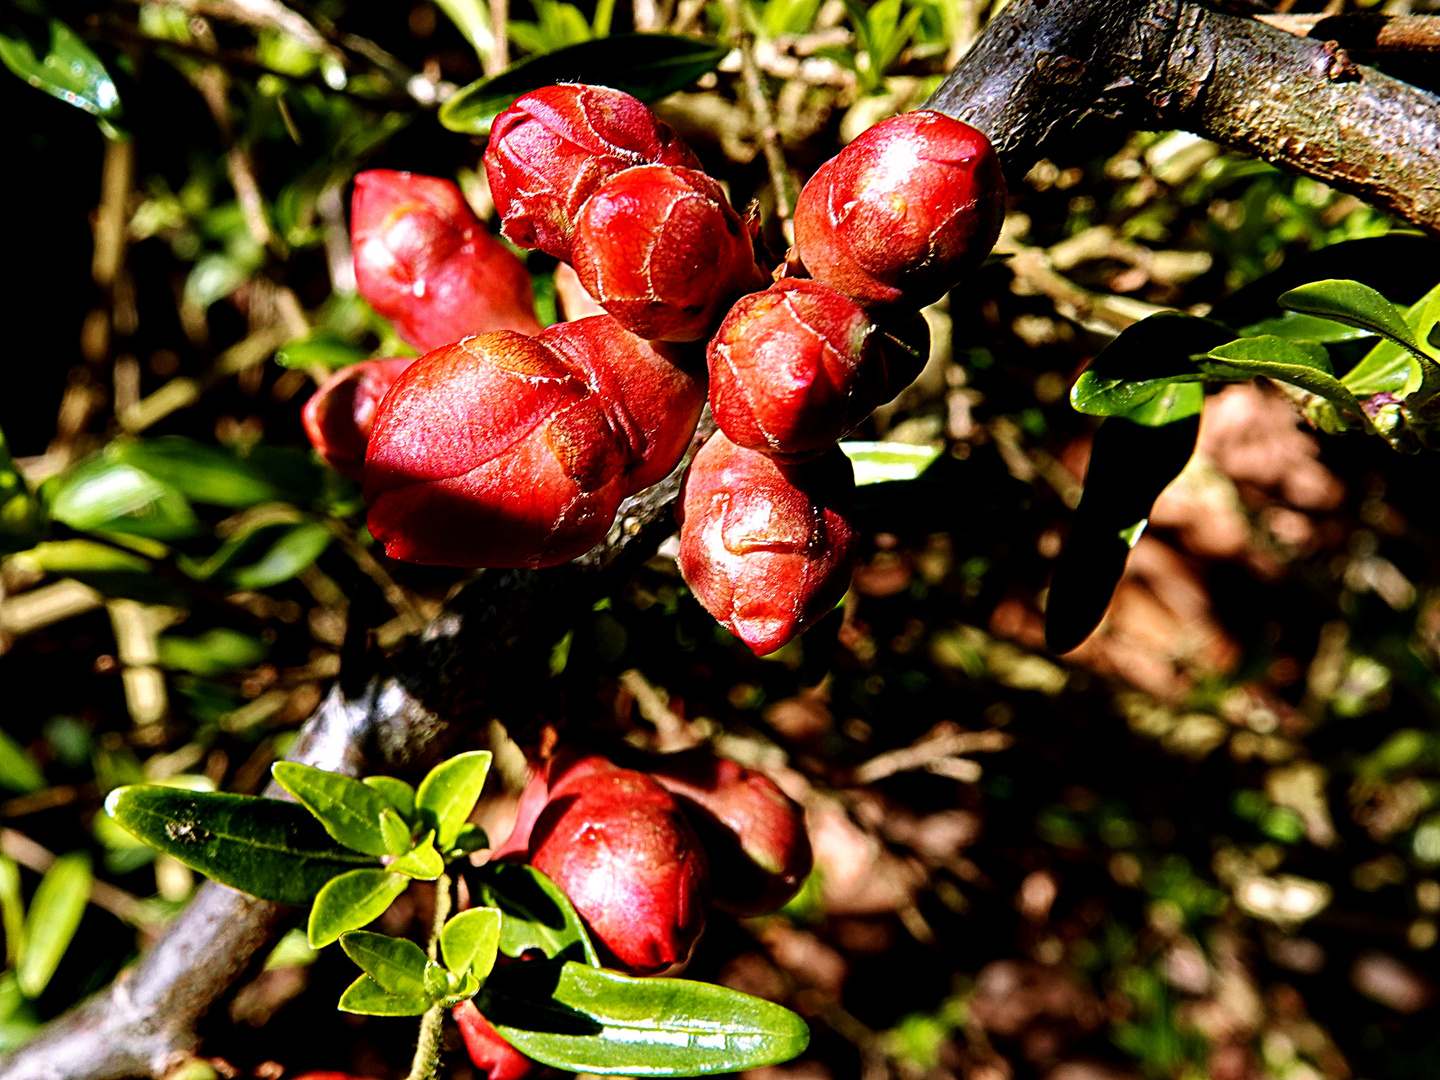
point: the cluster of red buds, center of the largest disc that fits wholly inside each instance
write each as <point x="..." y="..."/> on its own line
<point x="507" y="446"/>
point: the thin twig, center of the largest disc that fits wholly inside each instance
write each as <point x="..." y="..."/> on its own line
<point x="760" y="111"/>
<point x="427" y="1049"/>
<point x="127" y="907"/>
<point x="499" y="58"/>
<point x="398" y="599"/>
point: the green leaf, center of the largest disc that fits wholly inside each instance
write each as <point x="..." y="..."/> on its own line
<point x="202" y="473"/>
<point x="649" y="66"/>
<point x="397" y="965"/>
<point x="586" y="1019"/>
<point x="269" y="848"/>
<point x="422" y="861"/>
<point x="877" y="462"/>
<point x="1354" y="304"/>
<point x="536" y="914"/>
<point x="19" y="512"/>
<point x="103" y="567"/>
<point x="350" y="901"/>
<point x="264" y="556"/>
<point x="449" y="792"/>
<point x="349" y="810"/>
<point x="471" y="839"/>
<point x="1293" y="326"/>
<point x="1139" y="365"/>
<point x="397" y="793"/>
<point x="218" y="651"/>
<point x="68" y="71"/>
<point x="1130" y="464"/>
<point x="1390" y="368"/>
<point x="18" y="771"/>
<point x="365" y="996"/>
<point x="106" y="496"/>
<point x="55" y="913"/>
<point x="470" y="941"/>
<point x="1301" y="363"/>
<point x="12" y="910"/>
<point x="395" y="831"/>
<point x="319" y="349"/>
<point x="471" y="18"/>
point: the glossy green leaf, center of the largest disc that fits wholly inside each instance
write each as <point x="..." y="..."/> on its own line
<point x="396" y="964"/>
<point x="471" y="18"/>
<point x="1354" y="304"/>
<point x="422" y="862"/>
<point x="471" y="839"/>
<point x="270" y="848"/>
<point x="202" y="473"/>
<point x="397" y="793"/>
<point x="349" y="810"/>
<point x="366" y="997"/>
<point x="1300" y="363"/>
<point x="55" y="913"/>
<point x="69" y="70"/>
<point x="395" y="831"/>
<point x="18" y="771"/>
<point x="649" y="66"/>
<point x="1176" y="401"/>
<point x="12" y="910"/>
<point x="19" y="512"/>
<point x="586" y="1019"/>
<point x="536" y="915"/>
<point x="877" y="462"/>
<point x="449" y="792"/>
<point x="351" y="901"/>
<point x="106" y="496"/>
<point x="1391" y="368"/>
<point x="1130" y="465"/>
<point x="319" y="350"/>
<point x="1139" y="365"/>
<point x="1293" y="326"/>
<point x="218" y="651"/>
<point x="470" y="941"/>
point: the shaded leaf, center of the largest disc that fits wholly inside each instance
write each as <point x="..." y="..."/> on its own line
<point x="397" y="793"/>
<point x="1293" y="326"/>
<point x="266" y="847"/>
<point x="877" y="462"/>
<point x="1354" y="304"/>
<point x="18" y="771"/>
<point x="349" y="810"/>
<point x="104" y="568"/>
<point x="1147" y="357"/>
<point x="396" y="964"/>
<point x="587" y="1019"/>
<point x="106" y="496"/>
<point x="350" y="901"/>
<point x="202" y="473"/>
<point x="319" y="349"/>
<point x="19" y="512"/>
<point x="649" y="66"/>
<point x="449" y="792"/>
<point x="264" y="556"/>
<point x="12" y="910"/>
<point x="55" y="913"/>
<point x="536" y="914"/>
<point x="470" y="940"/>
<point x="69" y="70"/>
<point x="366" y="997"/>
<point x="218" y="651"/>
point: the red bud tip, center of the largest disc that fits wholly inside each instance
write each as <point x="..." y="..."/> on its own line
<point x="619" y="847"/>
<point x="554" y="146"/>
<point x="492" y="1055"/>
<point x="503" y="450"/>
<point x="797" y="366"/>
<point x="767" y="549"/>
<point x="904" y="212"/>
<point x="426" y="263"/>
<point x="662" y="250"/>
<point x="339" y="415"/>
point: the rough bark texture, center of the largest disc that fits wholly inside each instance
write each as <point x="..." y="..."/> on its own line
<point x="1040" y="69"/>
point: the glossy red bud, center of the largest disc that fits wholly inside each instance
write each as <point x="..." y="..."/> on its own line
<point x="904" y="212"/>
<point x="339" y="414"/>
<point x="766" y="548"/>
<point x="618" y="845"/>
<point x="504" y="450"/>
<point x="554" y="146"/>
<point x="493" y="1056"/>
<point x="662" y="250"/>
<point x="426" y="263"/>
<point x="797" y="366"/>
<point x="567" y="767"/>
<point x="754" y="834"/>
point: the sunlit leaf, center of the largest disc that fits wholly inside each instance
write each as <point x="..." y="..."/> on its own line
<point x="1300" y="363"/>
<point x="397" y="793"/>
<point x="449" y="792"/>
<point x="366" y="997"/>
<point x="349" y="810"/>
<point x="536" y="915"/>
<point x="107" y="496"/>
<point x="396" y="964"/>
<point x="217" y="651"/>
<point x="470" y="941"/>
<point x="202" y="473"/>
<point x="55" y="913"/>
<point x="69" y="70"/>
<point x="351" y="901"/>
<point x="878" y="462"/>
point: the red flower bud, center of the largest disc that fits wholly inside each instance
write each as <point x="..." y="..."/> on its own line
<point x="754" y="834"/>
<point x="339" y="414"/>
<point x="617" y="844"/>
<point x="550" y="780"/>
<point x="904" y="212"/>
<point x="797" y="366"/>
<point x="662" y="250"/>
<point x="427" y="264"/>
<point x="503" y="450"/>
<point x="551" y="149"/>
<point x="492" y="1055"/>
<point x="766" y="548"/>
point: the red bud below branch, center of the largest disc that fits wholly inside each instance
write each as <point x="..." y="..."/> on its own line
<point x="767" y="549"/>
<point x="662" y="250"/>
<point x="492" y="1055"/>
<point x="553" y="147"/>
<point x="339" y="415"/>
<point x="904" y="212"/>
<point x="503" y="450"/>
<point x="426" y="263"/>
<point x="797" y="366"/>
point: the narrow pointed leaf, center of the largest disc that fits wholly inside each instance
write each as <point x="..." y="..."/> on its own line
<point x="1293" y="326"/>
<point x="68" y="70"/>
<point x="586" y="1019"/>
<point x="55" y="913"/>
<point x="422" y="861"/>
<point x="396" y="964"/>
<point x="536" y="915"/>
<point x="1146" y="359"/>
<point x="12" y="910"/>
<point x="649" y="66"/>
<point x="878" y="462"/>
<point x="202" y="473"/>
<point x="18" y="771"/>
<point x="1354" y="304"/>
<point x="1390" y="368"/>
<point x="449" y="792"/>
<point x="397" y="793"/>
<point x="104" y="496"/>
<point x="351" y="901"/>
<point x="366" y="997"/>
<point x="470" y="940"/>
<point x="269" y="848"/>
<point x="349" y="810"/>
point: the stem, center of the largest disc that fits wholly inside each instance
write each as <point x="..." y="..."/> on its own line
<point x="760" y="110"/>
<point x="427" y="1049"/>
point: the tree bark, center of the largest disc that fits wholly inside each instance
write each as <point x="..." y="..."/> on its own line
<point x="1039" y="70"/>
